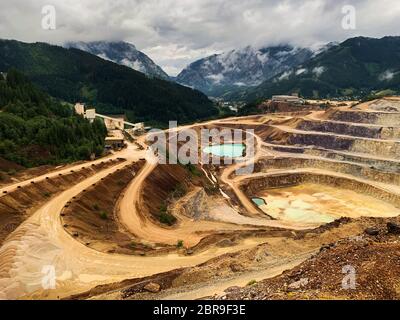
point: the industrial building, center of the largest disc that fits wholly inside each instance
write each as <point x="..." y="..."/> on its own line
<point x="115" y="140"/>
<point x="295" y="99"/>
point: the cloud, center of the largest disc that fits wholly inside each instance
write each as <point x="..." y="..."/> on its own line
<point x="318" y="71"/>
<point x="177" y="32"/>
<point x="285" y="75"/>
<point x="301" y="71"/>
<point x="216" y="78"/>
<point x="386" y="76"/>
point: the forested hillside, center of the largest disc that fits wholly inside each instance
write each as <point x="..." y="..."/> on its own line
<point x="74" y="75"/>
<point x="36" y="129"/>
<point x="354" y="68"/>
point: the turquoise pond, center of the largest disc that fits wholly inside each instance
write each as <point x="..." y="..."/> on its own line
<point x="232" y="150"/>
<point x="258" y="201"/>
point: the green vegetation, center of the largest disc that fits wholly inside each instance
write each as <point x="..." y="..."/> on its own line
<point x="11" y="172"/>
<point x="167" y="218"/>
<point x="377" y="95"/>
<point x="103" y="215"/>
<point x="163" y="208"/>
<point x="354" y="68"/>
<point x="251" y="283"/>
<point x="193" y="169"/>
<point x="164" y="216"/>
<point x="386" y="92"/>
<point x="74" y="75"/>
<point x="225" y="112"/>
<point x="211" y="189"/>
<point x="96" y="207"/>
<point x="250" y="108"/>
<point x="179" y="244"/>
<point x="35" y="129"/>
<point x="179" y="191"/>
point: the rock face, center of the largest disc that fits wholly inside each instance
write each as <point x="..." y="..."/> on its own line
<point x="289" y="179"/>
<point x="352" y="60"/>
<point x="341" y="128"/>
<point x="298" y="284"/>
<point x="249" y="66"/>
<point x="393" y="228"/>
<point x="371" y="231"/>
<point x="122" y="53"/>
<point x="236" y="267"/>
<point x="225" y="243"/>
<point x="322" y="275"/>
<point x="197" y="206"/>
<point x="152" y="287"/>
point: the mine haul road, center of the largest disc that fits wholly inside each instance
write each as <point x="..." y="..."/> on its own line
<point x="41" y="242"/>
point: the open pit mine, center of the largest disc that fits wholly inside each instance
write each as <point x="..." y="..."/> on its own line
<point x="324" y="196"/>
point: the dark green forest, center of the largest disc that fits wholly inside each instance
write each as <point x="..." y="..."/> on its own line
<point x="74" y="75"/>
<point x="36" y="129"/>
<point x="355" y="68"/>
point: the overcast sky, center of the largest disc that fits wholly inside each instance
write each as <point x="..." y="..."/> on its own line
<point x="176" y="32"/>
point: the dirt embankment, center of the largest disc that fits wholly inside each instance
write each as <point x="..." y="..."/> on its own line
<point x="357" y="116"/>
<point x="361" y="267"/>
<point x="381" y="164"/>
<point x="252" y="187"/>
<point x="166" y="184"/>
<point x="352" y="129"/>
<point x="281" y="248"/>
<point x="384" y="148"/>
<point x="341" y="128"/>
<point x="264" y="130"/>
<point x="219" y="267"/>
<point x="18" y="205"/>
<point x="8" y="171"/>
<point x="357" y="170"/>
<point x="282" y="107"/>
<point x="91" y="216"/>
<point x="11" y="172"/>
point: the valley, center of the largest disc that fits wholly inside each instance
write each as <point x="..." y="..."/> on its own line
<point x="124" y="227"/>
<point x="184" y="159"/>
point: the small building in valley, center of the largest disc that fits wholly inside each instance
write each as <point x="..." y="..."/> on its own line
<point x="114" y="143"/>
<point x="114" y="123"/>
<point x="295" y="99"/>
<point x="79" y="109"/>
<point x="111" y="122"/>
<point x="90" y="114"/>
<point x="115" y="140"/>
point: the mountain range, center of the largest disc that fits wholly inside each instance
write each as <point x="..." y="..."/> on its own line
<point x="122" y="53"/>
<point x="105" y="77"/>
<point x="74" y="75"/>
<point x="354" y="68"/>
<point x="220" y="74"/>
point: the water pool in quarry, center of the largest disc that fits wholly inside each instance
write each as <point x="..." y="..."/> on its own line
<point x="318" y="204"/>
<point x="231" y="150"/>
<point x="259" y="201"/>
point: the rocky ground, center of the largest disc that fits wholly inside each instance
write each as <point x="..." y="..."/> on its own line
<point x="21" y="203"/>
<point x="206" y="232"/>
<point x="373" y="256"/>
<point x="319" y="250"/>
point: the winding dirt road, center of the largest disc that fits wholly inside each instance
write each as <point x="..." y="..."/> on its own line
<point x="41" y="243"/>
